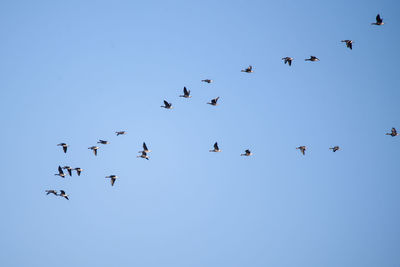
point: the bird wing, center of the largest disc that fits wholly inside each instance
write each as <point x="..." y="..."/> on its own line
<point x="69" y="171"/>
<point x="351" y="46"/>
<point x="290" y="62"/>
<point x="65" y="149"/>
<point x="95" y="151"/>
<point x="112" y="181"/>
<point x="185" y="91"/>
<point x="62" y="192"/>
<point x="60" y="171"/>
<point x="144" y="146"/>
<point x="66" y="197"/>
<point x="394" y="131"/>
<point x="378" y="18"/>
<point x="78" y="172"/>
<point x="216" y="146"/>
<point x="166" y="103"/>
<point x="247" y="151"/>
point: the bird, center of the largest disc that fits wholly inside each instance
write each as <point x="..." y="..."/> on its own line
<point x="145" y="149"/>
<point x="288" y="60"/>
<point x="249" y="69"/>
<point x="51" y="192"/>
<point x="120" y="133"/>
<point x="207" y="81"/>
<point x="64" y="146"/>
<point x="69" y="169"/>
<point x="302" y="149"/>
<point x="393" y="133"/>
<point x="60" y="172"/>
<point x="62" y="194"/>
<point x="103" y="142"/>
<point x="312" y="58"/>
<point x="94" y="148"/>
<point x="186" y="93"/>
<point x="335" y="148"/>
<point x="167" y="105"/>
<point x="213" y="101"/>
<point x="349" y="43"/>
<point x="113" y="178"/>
<point x="143" y="155"/>
<point x="379" y="21"/>
<point x="78" y="171"/>
<point x="216" y="148"/>
<point x="247" y="153"/>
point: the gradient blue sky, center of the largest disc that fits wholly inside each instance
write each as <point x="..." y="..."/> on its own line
<point x="76" y="71"/>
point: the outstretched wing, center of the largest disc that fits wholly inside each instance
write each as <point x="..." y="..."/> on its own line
<point x="112" y="181"/>
<point x="185" y="91"/>
<point x="62" y="192"/>
<point x="166" y="103"/>
<point x="144" y="146"/>
<point x="394" y="132"/>
<point x="378" y="18"/>
<point x="216" y="146"/>
<point x="60" y="171"/>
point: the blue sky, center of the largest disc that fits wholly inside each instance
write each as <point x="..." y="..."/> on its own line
<point x="76" y="72"/>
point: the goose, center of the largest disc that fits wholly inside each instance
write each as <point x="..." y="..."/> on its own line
<point x="120" y="133"/>
<point x="145" y="149"/>
<point x="51" y="192"/>
<point x="167" y="105"/>
<point x="379" y="21"/>
<point x="288" y="60"/>
<point x="60" y="172"/>
<point x="312" y="58"/>
<point x="113" y="178"/>
<point x="302" y="149"/>
<point x="249" y="69"/>
<point x="103" y="142"/>
<point x="207" y="81"/>
<point x="64" y="146"/>
<point x="247" y="153"/>
<point x="143" y="155"/>
<point x="335" y="148"/>
<point x="62" y="194"/>
<point x="69" y="169"/>
<point x="213" y="101"/>
<point x="78" y="171"/>
<point x="186" y="93"/>
<point x="393" y="133"/>
<point x="349" y="43"/>
<point x="94" y="148"/>
<point x="216" y="148"/>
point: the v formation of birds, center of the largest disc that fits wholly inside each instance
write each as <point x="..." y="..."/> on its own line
<point x="213" y="102"/>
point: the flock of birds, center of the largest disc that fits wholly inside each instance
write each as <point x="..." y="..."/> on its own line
<point x="213" y="102"/>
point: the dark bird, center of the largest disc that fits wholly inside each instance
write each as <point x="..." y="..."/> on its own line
<point x="94" y="148"/>
<point x="120" y="133"/>
<point x="302" y="149"/>
<point x="379" y="21"/>
<point x="288" y="60"/>
<point x="78" y="171"/>
<point x="247" y="153"/>
<point x="216" y="148"/>
<point x="393" y="133"/>
<point x="113" y="178"/>
<point x="213" y="101"/>
<point x="335" y="148"/>
<point x="64" y="146"/>
<point x="68" y="168"/>
<point x="349" y="43"/>
<point x="167" y="105"/>
<point x="62" y="194"/>
<point x="103" y="142"/>
<point x="143" y="155"/>
<point x="51" y="192"/>
<point x="145" y="149"/>
<point x="60" y="172"/>
<point x="312" y="58"/>
<point x="186" y="93"/>
<point x="249" y="69"/>
<point x="207" y="81"/>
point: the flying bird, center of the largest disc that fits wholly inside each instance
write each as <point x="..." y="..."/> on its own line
<point x="68" y="168"/>
<point x="167" y="105"/>
<point x="113" y="178"/>
<point x="213" y="101"/>
<point x="103" y="142"/>
<point x="302" y="149"/>
<point x="216" y="148"/>
<point x="51" y="192"/>
<point x="60" y="172"/>
<point x="312" y="58"/>
<point x="94" y="148"/>
<point x="120" y="133"/>
<point x="207" y="81"/>
<point x="335" y="148"/>
<point x="379" y="21"/>
<point x="247" y="153"/>
<point x="249" y="69"/>
<point x="393" y="133"/>
<point x="78" y="171"/>
<point x="143" y="155"/>
<point x="64" y="146"/>
<point x="62" y="194"/>
<point x="288" y="60"/>
<point x="186" y="93"/>
<point x="145" y="149"/>
<point x="349" y="43"/>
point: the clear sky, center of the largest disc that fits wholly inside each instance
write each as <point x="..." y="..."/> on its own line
<point x="76" y="71"/>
